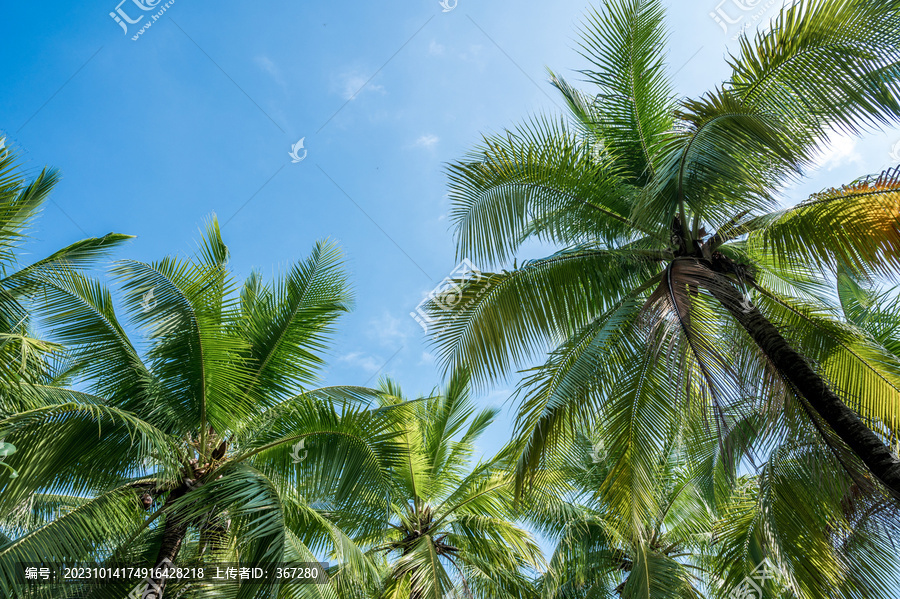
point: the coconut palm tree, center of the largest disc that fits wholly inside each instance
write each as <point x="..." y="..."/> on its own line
<point x="449" y="529"/>
<point x="817" y="533"/>
<point x="595" y="554"/>
<point x="188" y="445"/>
<point x="21" y="198"/>
<point x="794" y="526"/>
<point x="675" y="267"/>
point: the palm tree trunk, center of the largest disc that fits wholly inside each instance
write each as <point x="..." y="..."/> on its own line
<point x="797" y="371"/>
<point x="174" y="532"/>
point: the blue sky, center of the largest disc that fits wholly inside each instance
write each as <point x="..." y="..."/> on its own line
<point x="199" y="114"/>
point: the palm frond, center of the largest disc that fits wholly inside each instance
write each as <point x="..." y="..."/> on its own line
<point x="857" y="225"/>
<point x="539" y="172"/>
<point x="491" y="322"/>
<point x="634" y="107"/>
<point x="71" y="442"/>
<point x="287" y="327"/>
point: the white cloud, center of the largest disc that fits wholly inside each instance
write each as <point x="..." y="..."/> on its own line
<point x="427" y="141"/>
<point x="474" y="54"/>
<point x="841" y="151"/>
<point x="435" y="48"/>
<point x="361" y="360"/>
<point x="427" y="358"/>
<point x="267" y="65"/>
<point x="352" y="84"/>
<point x="389" y="330"/>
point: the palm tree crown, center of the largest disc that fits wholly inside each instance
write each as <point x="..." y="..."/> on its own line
<point x="679" y="286"/>
<point x="449" y="528"/>
<point x="192" y="449"/>
<point x="663" y="209"/>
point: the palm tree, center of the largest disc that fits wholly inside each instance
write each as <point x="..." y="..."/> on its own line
<point x="189" y="446"/>
<point x="819" y="533"/>
<point x="21" y="199"/>
<point x="675" y="270"/>
<point x="449" y="528"/>
<point x="598" y="555"/>
<point x="795" y="527"/>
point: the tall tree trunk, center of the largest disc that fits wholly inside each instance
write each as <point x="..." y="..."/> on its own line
<point x="174" y="532"/>
<point x="797" y="370"/>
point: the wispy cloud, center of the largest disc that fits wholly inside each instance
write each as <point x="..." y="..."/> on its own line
<point x="362" y="360"/>
<point x="474" y="54"/>
<point x="353" y="83"/>
<point x="841" y="152"/>
<point x="435" y="48"/>
<point x="427" y="141"/>
<point x="266" y="64"/>
<point x="389" y="330"/>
